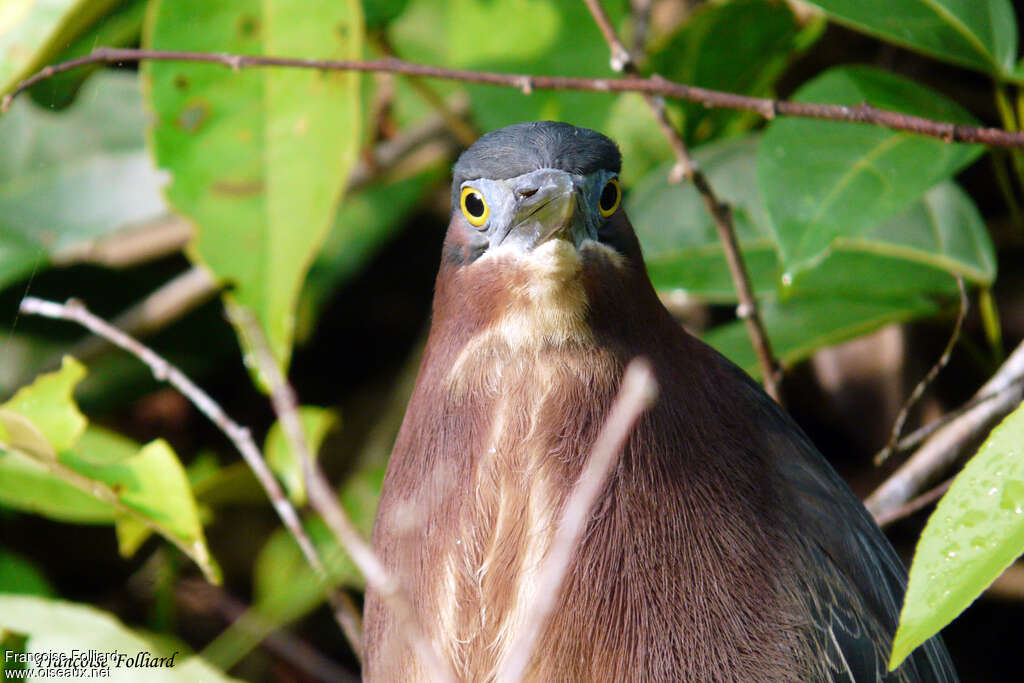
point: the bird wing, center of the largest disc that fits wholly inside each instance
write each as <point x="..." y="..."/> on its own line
<point x="854" y="589"/>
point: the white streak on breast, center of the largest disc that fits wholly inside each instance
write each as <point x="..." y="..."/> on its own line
<point x="550" y="310"/>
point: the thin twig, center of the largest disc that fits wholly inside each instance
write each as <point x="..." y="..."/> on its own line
<point x="933" y="372"/>
<point x="620" y="60"/>
<point x="917" y="437"/>
<point x="636" y="394"/>
<point x="765" y="107"/>
<point x="720" y="213"/>
<point x="240" y="436"/>
<point x="140" y="243"/>
<point x="942" y="449"/>
<point x="323" y="499"/>
<point x="907" y="509"/>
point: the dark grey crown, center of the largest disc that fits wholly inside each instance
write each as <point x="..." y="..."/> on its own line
<point x="524" y="147"/>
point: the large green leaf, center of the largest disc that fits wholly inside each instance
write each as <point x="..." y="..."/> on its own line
<point x="259" y="157"/>
<point x="981" y="34"/>
<point x="521" y="36"/>
<point x="741" y="47"/>
<point x="68" y="178"/>
<point x="53" y="465"/>
<point x="56" y="626"/>
<point x="33" y="31"/>
<point x="799" y="327"/>
<point x="909" y="254"/>
<point x="976" y="531"/>
<point x="822" y="180"/>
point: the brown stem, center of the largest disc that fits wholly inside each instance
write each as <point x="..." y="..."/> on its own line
<point x="720" y="214"/>
<point x="768" y="108"/>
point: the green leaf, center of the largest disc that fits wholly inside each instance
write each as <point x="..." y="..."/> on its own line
<point x="259" y="157"/>
<point x="976" y="532"/>
<point x="799" y="327"/>
<point x="740" y="47"/>
<point x="118" y="28"/>
<point x="68" y="178"/>
<point x="903" y="257"/>
<point x="18" y="575"/>
<point x="27" y="486"/>
<point x="316" y="423"/>
<point x="152" y="490"/>
<point x="48" y="404"/>
<point x="978" y="34"/>
<point x="142" y="490"/>
<point x="823" y="180"/>
<point x="32" y="32"/>
<point x="58" y="626"/>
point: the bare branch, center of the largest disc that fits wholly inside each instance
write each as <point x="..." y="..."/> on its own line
<point x="942" y="449"/>
<point x="767" y="108"/>
<point x="918" y="436"/>
<point x="137" y="244"/>
<point x="323" y="499"/>
<point x="933" y="372"/>
<point x="636" y="394"/>
<point x="240" y="436"/>
<point x="720" y="213"/>
<point x="922" y="501"/>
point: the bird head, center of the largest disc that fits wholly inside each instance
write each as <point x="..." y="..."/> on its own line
<point x="520" y="187"/>
<point x="538" y="236"/>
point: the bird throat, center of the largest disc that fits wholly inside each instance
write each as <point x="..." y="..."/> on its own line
<point x="543" y="305"/>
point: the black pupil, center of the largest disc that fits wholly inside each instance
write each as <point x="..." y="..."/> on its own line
<point x="609" y="195"/>
<point x="474" y="205"/>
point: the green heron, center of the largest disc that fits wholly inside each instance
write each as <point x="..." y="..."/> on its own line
<point x="723" y="546"/>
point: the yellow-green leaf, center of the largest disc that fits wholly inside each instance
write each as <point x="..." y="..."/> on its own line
<point x="259" y="157"/>
<point x="48" y="405"/>
<point x="976" y="531"/>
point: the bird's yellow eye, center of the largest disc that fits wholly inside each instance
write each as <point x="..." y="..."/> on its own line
<point x="474" y="207"/>
<point x="611" y="195"/>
